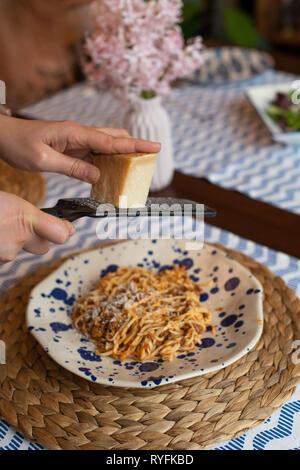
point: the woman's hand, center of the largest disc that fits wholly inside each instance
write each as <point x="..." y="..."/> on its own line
<point x="63" y="146"/>
<point x="24" y="226"/>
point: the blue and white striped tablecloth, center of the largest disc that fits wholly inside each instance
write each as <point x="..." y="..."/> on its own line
<point x="216" y="133"/>
<point x="282" y="430"/>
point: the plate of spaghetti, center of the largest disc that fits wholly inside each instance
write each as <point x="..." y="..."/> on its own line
<point x="146" y="313"/>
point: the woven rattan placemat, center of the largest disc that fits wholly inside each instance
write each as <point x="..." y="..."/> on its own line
<point x="29" y="186"/>
<point x="62" y="411"/>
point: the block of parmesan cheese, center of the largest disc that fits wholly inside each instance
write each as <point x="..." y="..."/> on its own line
<point x="124" y="179"/>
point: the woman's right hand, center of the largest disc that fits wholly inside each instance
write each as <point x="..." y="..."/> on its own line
<point x="63" y="146"/>
<point x="24" y="226"/>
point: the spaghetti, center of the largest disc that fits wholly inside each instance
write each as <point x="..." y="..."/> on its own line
<point x="135" y="313"/>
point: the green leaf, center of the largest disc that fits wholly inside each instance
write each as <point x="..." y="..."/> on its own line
<point x="275" y="111"/>
<point x="148" y="94"/>
<point x="240" y="28"/>
<point x="293" y="120"/>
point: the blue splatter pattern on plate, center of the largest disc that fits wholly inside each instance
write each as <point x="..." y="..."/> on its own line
<point x="234" y="296"/>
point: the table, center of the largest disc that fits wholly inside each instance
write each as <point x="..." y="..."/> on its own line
<point x="281" y="430"/>
<point x="266" y="232"/>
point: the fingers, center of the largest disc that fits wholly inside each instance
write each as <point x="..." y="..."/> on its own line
<point x="70" y="166"/>
<point x="37" y="245"/>
<point x="43" y="229"/>
<point x="106" y="143"/>
<point x="114" y="132"/>
<point x="51" y="228"/>
<point x="72" y="138"/>
<point x="144" y="146"/>
<point x="46" y="146"/>
<point x="23" y="225"/>
<point x="81" y="154"/>
<point x="85" y="154"/>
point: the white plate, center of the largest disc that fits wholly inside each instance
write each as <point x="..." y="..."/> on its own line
<point x="235" y="299"/>
<point x="261" y="97"/>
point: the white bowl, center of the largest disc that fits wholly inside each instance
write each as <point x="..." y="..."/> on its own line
<point x="235" y="299"/>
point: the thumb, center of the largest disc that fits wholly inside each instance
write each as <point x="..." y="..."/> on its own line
<point x="51" y="228"/>
<point x="59" y="163"/>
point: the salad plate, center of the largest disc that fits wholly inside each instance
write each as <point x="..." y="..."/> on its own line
<point x="277" y="111"/>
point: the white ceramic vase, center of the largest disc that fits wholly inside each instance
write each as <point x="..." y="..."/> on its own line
<point x="148" y="119"/>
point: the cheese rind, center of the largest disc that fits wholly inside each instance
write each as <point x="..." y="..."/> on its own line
<point x="124" y="179"/>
